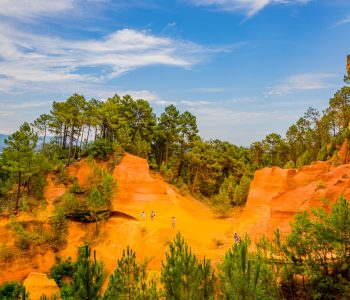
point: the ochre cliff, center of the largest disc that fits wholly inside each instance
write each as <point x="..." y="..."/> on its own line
<point x="276" y="195"/>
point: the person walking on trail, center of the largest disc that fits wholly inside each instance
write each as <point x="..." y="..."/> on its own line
<point x="236" y="238"/>
<point x="173" y="221"/>
<point x="153" y="214"/>
<point x="143" y="215"/>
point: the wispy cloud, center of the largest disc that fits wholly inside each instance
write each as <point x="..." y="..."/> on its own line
<point x="248" y="7"/>
<point x="28" y="57"/>
<point x="344" y="21"/>
<point x="302" y="82"/>
<point x="33" y="8"/>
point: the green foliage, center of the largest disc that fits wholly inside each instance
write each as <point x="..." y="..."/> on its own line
<point x="59" y="226"/>
<point x="29" y="234"/>
<point x="62" y="270"/>
<point x="222" y="203"/>
<point x="129" y="280"/>
<point x="69" y="203"/>
<point x="11" y="290"/>
<point x="88" y="277"/>
<point x="242" y="190"/>
<point x="183" y="275"/>
<point x="240" y="272"/>
<point x="289" y="165"/>
<point x="18" y="154"/>
<point x="6" y="254"/>
<point x="99" y="149"/>
<point x="75" y="187"/>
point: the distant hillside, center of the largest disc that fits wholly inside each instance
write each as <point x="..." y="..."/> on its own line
<point x="4" y="136"/>
<point x="2" y="140"/>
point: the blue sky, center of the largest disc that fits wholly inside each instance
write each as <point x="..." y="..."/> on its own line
<point x="243" y="68"/>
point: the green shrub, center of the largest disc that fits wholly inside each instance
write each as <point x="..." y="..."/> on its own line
<point x="69" y="203"/>
<point x="62" y="270"/>
<point x="59" y="226"/>
<point x="5" y="253"/>
<point x="99" y="149"/>
<point x="75" y="187"/>
<point x="10" y="290"/>
<point x="320" y="184"/>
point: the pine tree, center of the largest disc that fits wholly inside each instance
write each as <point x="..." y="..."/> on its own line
<point x="239" y="272"/>
<point x="129" y="280"/>
<point x="183" y="276"/>
<point x="88" y="276"/>
<point x="18" y="154"/>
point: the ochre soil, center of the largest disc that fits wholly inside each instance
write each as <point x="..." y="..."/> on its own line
<point x="275" y="196"/>
<point x="138" y="191"/>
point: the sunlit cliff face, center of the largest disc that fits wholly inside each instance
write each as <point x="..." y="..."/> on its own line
<point x="348" y="66"/>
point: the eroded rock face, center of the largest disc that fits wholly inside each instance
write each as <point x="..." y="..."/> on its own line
<point x="37" y="284"/>
<point x="276" y="195"/>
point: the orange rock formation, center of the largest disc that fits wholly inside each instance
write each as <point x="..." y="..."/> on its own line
<point x="38" y="284"/>
<point x="276" y="195"/>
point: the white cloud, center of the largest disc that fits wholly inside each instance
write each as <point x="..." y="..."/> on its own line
<point x="342" y="22"/>
<point x="302" y="82"/>
<point x="28" y="58"/>
<point x="33" y="8"/>
<point x="248" y="7"/>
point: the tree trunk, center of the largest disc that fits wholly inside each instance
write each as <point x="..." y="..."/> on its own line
<point x="195" y="180"/>
<point x="19" y="189"/>
<point x="61" y="137"/>
<point x="70" y="145"/>
<point x="166" y="152"/>
<point x="44" y="138"/>
<point x="87" y="138"/>
<point x="64" y="142"/>
<point x="81" y="139"/>
<point x="180" y="163"/>
<point x="76" y="143"/>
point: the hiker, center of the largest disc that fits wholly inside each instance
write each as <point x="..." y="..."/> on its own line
<point x="143" y="215"/>
<point x="236" y="238"/>
<point x="153" y="214"/>
<point x="173" y="221"/>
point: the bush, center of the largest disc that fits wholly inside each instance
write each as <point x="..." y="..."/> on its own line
<point x="10" y="290"/>
<point x="222" y="203"/>
<point x="320" y="185"/>
<point x="99" y="149"/>
<point x="59" y="227"/>
<point x="289" y="165"/>
<point x="75" y="187"/>
<point x="69" y="203"/>
<point x="29" y="234"/>
<point x="62" y="269"/>
<point x="5" y="253"/>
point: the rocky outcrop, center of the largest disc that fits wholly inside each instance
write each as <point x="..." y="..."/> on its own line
<point x="37" y="284"/>
<point x="276" y="195"/>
